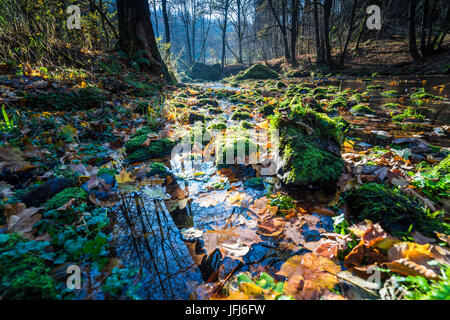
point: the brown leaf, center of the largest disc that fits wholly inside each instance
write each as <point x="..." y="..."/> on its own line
<point x="309" y="276"/>
<point x="21" y="219"/>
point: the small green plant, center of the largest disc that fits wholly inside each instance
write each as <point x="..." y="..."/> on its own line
<point x="283" y="202"/>
<point x="6" y="125"/>
<point x="420" y="288"/>
<point x="409" y="113"/>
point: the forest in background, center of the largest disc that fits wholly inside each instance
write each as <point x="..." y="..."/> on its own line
<point x="227" y="32"/>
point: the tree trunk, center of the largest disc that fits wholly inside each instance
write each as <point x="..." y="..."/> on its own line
<point x="295" y="8"/>
<point x="350" y="31"/>
<point x="423" y="46"/>
<point x="166" y="27"/>
<point x="326" y="31"/>
<point x="282" y="26"/>
<point x="320" y="55"/>
<point x="156" y="18"/>
<point x="412" y="30"/>
<point x="136" y="34"/>
<point x="224" y="32"/>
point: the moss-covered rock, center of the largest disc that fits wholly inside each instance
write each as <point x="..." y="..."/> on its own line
<point x="136" y="151"/>
<point x="267" y="109"/>
<point x="65" y="196"/>
<point x="362" y="109"/>
<point x="210" y="102"/>
<point x="395" y="211"/>
<point x="201" y="71"/>
<point x="309" y="147"/>
<point x="157" y="148"/>
<point x="390" y="94"/>
<point x="338" y="102"/>
<point x="196" y="117"/>
<point x="241" y="115"/>
<point x="236" y="144"/>
<point x="259" y="72"/>
<point x="218" y="126"/>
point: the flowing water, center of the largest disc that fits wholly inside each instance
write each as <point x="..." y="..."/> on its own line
<point x="149" y="220"/>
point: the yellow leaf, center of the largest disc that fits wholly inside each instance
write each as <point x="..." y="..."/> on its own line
<point x="250" y="289"/>
<point x="124" y="177"/>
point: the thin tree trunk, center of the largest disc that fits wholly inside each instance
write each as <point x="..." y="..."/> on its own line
<point x="326" y="32"/>
<point x="166" y="26"/>
<point x="412" y="30"/>
<point x="423" y="46"/>
<point x="320" y="57"/>
<point x="282" y="26"/>
<point x="350" y="31"/>
<point x="295" y="8"/>
<point x="156" y="18"/>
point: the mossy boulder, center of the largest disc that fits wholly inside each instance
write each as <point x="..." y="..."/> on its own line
<point x="201" y="71"/>
<point x="394" y="210"/>
<point x="267" y="109"/>
<point x="362" y="109"/>
<point x="136" y="151"/>
<point x="309" y="147"/>
<point x="258" y="72"/>
<point x="234" y="146"/>
<point x="390" y="94"/>
<point x="217" y="126"/>
<point x="241" y="115"/>
<point x="196" y="117"/>
<point x="65" y="196"/>
<point x="45" y="191"/>
<point x="210" y="102"/>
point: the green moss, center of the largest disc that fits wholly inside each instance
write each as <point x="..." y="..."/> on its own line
<point x="135" y="143"/>
<point x="390" y="94"/>
<point x="227" y="146"/>
<point x="421" y="94"/>
<point x="360" y="108"/>
<point x="65" y="196"/>
<point x="395" y="211"/>
<point x="157" y="168"/>
<point x="434" y="182"/>
<point x="106" y="172"/>
<point x="210" y="102"/>
<point x="257" y="71"/>
<point x="217" y="126"/>
<point x="246" y="125"/>
<point x="391" y="105"/>
<point x="283" y="202"/>
<point x="358" y="97"/>
<point x="23" y="273"/>
<point x="409" y="113"/>
<point x="156" y="149"/>
<point x="214" y="110"/>
<point x="241" y="115"/>
<point x="375" y="87"/>
<point x="141" y="132"/>
<point x="267" y="110"/>
<point x="339" y="102"/>
<point x="314" y="167"/>
<point x="304" y="141"/>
